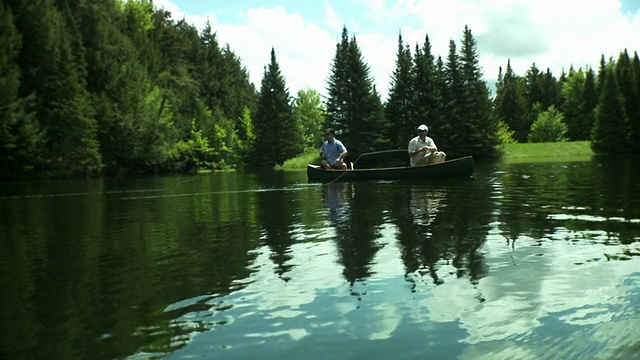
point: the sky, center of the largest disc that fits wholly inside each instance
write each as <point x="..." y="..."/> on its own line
<point x="553" y="34"/>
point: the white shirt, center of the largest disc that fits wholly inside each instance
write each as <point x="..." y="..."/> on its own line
<point x="417" y="143"/>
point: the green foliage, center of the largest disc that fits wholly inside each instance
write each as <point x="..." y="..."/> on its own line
<point x="510" y="104"/>
<point x="634" y="117"/>
<point x="354" y="106"/>
<point x="193" y="153"/>
<point x="245" y="135"/>
<point x="477" y="132"/>
<point x="309" y="112"/>
<point x="20" y="136"/>
<point x="505" y="134"/>
<point x="427" y="102"/>
<point x="610" y="133"/>
<point x="548" y="127"/>
<point x="280" y="133"/>
<point x="400" y="108"/>
<point x="573" y="108"/>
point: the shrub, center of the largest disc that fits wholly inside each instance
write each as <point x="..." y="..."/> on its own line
<point x="549" y="126"/>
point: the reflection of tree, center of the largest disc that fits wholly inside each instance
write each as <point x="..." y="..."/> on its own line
<point x="442" y="222"/>
<point x="415" y="209"/>
<point x="336" y="199"/>
<point x="356" y="233"/>
<point x="89" y="276"/>
<point x="275" y="225"/>
<point x="532" y="195"/>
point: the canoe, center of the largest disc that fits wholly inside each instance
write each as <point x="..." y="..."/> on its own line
<point x="460" y="167"/>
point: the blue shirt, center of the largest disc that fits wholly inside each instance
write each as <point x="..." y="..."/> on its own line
<point x="332" y="150"/>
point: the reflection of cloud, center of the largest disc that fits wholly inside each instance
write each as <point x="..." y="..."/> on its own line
<point x="387" y="318"/>
<point x="533" y="292"/>
<point x="312" y="268"/>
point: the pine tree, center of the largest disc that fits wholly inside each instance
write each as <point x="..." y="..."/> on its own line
<point x="550" y="91"/>
<point x="428" y="98"/>
<point x="279" y="136"/>
<point x="510" y="104"/>
<point x="610" y="133"/>
<point x="480" y="128"/>
<point x="354" y="106"/>
<point x="20" y="135"/>
<point x="590" y="102"/>
<point x="399" y="109"/>
<point x="55" y="73"/>
<point x="447" y="133"/>
<point x="634" y="119"/>
<point x="339" y="101"/>
<point x="573" y="107"/>
<point x="602" y="75"/>
<point x="624" y="73"/>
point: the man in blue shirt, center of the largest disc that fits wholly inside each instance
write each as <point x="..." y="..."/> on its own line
<point x="333" y="152"/>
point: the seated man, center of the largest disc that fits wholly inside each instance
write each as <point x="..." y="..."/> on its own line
<point x="333" y="152"/>
<point x="422" y="150"/>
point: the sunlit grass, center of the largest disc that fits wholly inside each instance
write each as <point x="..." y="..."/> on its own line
<point x="301" y="161"/>
<point x="578" y="150"/>
<point x="547" y="151"/>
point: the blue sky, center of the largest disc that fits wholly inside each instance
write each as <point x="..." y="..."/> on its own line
<point x="553" y="34"/>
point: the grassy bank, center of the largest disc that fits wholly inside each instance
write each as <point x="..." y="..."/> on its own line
<point x="547" y="151"/>
<point x="511" y="153"/>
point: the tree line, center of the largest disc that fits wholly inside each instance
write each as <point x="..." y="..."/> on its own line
<point x="115" y="87"/>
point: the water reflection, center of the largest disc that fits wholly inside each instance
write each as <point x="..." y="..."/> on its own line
<point x="522" y="261"/>
<point x="425" y="203"/>
<point x="337" y="197"/>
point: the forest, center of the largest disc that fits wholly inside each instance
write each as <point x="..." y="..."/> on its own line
<point x="119" y="88"/>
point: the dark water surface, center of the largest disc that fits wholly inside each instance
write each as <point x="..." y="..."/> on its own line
<point x="522" y="261"/>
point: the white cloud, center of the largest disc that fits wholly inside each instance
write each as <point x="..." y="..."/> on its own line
<point x="554" y="34"/>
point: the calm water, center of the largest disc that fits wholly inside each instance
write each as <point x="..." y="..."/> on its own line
<point x="523" y="261"/>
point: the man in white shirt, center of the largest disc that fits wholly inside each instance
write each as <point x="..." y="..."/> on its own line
<point x="422" y="150"/>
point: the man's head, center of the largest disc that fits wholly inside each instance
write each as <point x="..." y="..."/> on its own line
<point x="423" y="130"/>
<point x="329" y="133"/>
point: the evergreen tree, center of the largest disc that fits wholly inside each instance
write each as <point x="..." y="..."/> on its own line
<point x="447" y="133"/>
<point x="427" y="98"/>
<point x="602" y="75"/>
<point x="624" y="73"/>
<point x="610" y="132"/>
<point x="279" y="136"/>
<point x="339" y="102"/>
<point x="634" y="119"/>
<point x="354" y="105"/>
<point x="56" y="75"/>
<point x="400" y="107"/>
<point x="510" y="104"/>
<point x="573" y="107"/>
<point x="480" y="128"/>
<point x="20" y="136"/>
<point x="550" y="91"/>
<point x="590" y="103"/>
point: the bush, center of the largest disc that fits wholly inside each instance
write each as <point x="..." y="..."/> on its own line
<point x="549" y="126"/>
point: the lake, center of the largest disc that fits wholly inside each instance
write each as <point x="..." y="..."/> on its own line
<point x="521" y="261"/>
